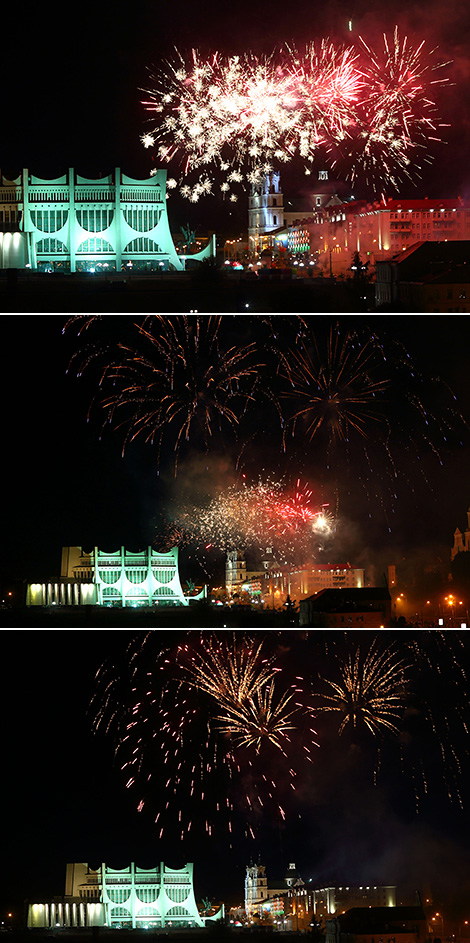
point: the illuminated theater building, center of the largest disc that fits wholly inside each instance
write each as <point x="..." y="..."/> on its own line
<point x="74" y="224"/>
<point x="121" y="578"/>
<point x="130" y="897"/>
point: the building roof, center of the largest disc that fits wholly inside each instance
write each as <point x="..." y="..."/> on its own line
<point x="425" y="204"/>
<point x="334" y="566"/>
<point x="347" y="600"/>
<point x="286" y="568"/>
<point x="446" y="250"/>
<point x="427" y="258"/>
<point x="457" y="275"/>
<point x="376" y="919"/>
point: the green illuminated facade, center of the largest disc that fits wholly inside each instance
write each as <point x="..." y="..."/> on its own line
<point x="121" y="578"/>
<point x="131" y="897"/>
<point x="137" y="579"/>
<point x="75" y="224"/>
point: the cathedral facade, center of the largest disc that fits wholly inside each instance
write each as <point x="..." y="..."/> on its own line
<point x="461" y="540"/>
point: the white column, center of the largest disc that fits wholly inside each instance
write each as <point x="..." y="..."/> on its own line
<point x="117" y="219"/>
<point x="133" y="895"/>
<point x="72" y="219"/>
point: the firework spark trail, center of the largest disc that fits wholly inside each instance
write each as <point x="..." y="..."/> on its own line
<point x="396" y="118"/>
<point x="180" y="747"/>
<point x="411" y="696"/>
<point x="242" y="683"/>
<point x="178" y="376"/>
<point x="230" y="674"/>
<point x="263" y="716"/>
<point x="200" y="721"/>
<point x="267" y="513"/>
<point x="372" y="690"/>
<point x="361" y="397"/>
<point x="349" y="399"/>
<point x="370" y="112"/>
<point x="338" y="390"/>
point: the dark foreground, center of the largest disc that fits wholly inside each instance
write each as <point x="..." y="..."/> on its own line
<point x="216" y="932"/>
<point x="30" y="293"/>
<point x="178" y="617"/>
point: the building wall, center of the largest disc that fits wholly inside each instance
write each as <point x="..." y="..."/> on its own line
<point x="154" y="897"/>
<point x="256" y="888"/>
<point x="335" y="900"/>
<point x="132" y="897"/>
<point x="377" y="617"/>
<point x="439" y="298"/>
<point x="461" y="540"/>
<point x="81" y="880"/>
<point x="13" y="249"/>
<point x="265" y="211"/>
<point x="75" y="563"/>
<point x="73" y="223"/>
<point x="65" y="912"/>
<point x="146" y="578"/>
<point x="120" y="578"/>
<point x="376" y="230"/>
<point x="304" y="581"/>
<point x="62" y="592"/>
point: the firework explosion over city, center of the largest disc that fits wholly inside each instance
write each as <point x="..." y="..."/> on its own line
<point x="226" y="731"/>
<point x="254" y="517"/>
<point x="292" y="405"/>
<point x="368" y="114"/>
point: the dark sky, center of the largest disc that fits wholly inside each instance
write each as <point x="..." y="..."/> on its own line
<point x="72" y="89"/>
<point x="64" y="485"/>
<point x="63" y="799"/>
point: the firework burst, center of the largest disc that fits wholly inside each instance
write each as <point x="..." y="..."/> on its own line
<point x="203" y="731"/>
<point x="268" y="513"/>
<point x="397" y="117"/>
<point x="339" y="392"/>
<point x="263" y="717"/>
<point x="360" y="399"/>
<point x="403" y="705"/>
<point x="372" y="691"/>
<point x="176" y="379"/>
<point x="245" y="116"/>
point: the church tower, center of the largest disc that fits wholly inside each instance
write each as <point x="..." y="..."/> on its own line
<point x="235" y="570"/>
<point x="256" y="887"/>
<point x="461" y="541"/>
<point x="265" y="211"/>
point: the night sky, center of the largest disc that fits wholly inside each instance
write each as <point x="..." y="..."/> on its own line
<point x="73" y="85"/>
